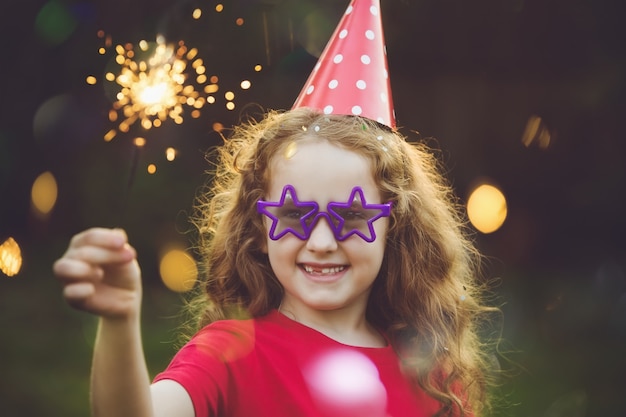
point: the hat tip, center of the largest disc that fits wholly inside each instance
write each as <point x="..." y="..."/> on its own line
<point x="351" y="75"/>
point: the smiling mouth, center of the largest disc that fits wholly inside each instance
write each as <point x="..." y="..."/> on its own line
<point x="323" y="271"/>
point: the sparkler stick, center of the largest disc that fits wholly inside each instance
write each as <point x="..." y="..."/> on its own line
<point x="132" y="174"/>
<point x="156" y="81"/>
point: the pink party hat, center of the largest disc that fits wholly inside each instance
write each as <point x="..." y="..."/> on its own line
<point x="351" y="76"/>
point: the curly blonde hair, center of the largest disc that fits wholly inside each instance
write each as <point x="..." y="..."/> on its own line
<point x="427" y="297"/>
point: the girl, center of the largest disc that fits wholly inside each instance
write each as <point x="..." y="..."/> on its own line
<point x="339" y="282"/>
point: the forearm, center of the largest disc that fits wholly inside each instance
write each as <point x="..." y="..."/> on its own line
<point x="120" y="384"/>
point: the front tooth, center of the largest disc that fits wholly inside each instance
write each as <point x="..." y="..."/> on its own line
<point x="332" y="270"/>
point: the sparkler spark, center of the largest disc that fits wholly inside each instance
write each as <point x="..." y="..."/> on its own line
<point x="155" y="84"/>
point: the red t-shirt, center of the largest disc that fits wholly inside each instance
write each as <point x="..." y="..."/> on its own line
<point x="276" y="367"/>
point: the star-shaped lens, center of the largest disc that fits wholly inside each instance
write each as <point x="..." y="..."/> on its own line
<point x="289" y="215"/>
<point x="356" y="217"/>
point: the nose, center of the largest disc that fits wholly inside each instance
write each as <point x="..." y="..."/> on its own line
<point x="322" y="237"/>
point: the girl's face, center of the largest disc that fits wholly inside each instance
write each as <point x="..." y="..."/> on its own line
<point x="326" y="270"/>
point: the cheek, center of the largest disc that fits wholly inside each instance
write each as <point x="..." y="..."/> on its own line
<point x="375" y="250"/>
<point x="284" y="248"/>
<point x="381" y="228"/>
<point x="264" y="238"/>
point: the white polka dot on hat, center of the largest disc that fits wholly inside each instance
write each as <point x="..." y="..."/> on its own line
<point x="351" y="75"/>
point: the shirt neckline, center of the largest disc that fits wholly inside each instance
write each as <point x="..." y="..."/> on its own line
<point x="286" y="320"/>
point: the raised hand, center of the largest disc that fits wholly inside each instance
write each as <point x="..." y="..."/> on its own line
<point x="100" y="274"/>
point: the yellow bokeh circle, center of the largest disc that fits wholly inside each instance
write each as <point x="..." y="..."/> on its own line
<point x="178" y="270"/>
<point x="487" y="208"/>
<point x="44" y="194"/>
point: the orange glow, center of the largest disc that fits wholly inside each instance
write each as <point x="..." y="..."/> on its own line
<point x="10" y="257"/>
<point x="211" y="88"/>
<point x="108" y="137"/>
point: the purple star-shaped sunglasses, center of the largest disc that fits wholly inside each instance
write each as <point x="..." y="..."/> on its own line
<point x="354" y="217"/>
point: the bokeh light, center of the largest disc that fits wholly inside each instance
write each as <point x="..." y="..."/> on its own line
<point x="44" y="194"/>
<point x="54" y="23"/>
<point x="536" y="132"/>
<point x="10" y="257"/>
<point x="346" y="383"/>
<point x="178" y="270"/>
<point x="170" y="154"/>
<point x="52" y="117"/>
<point x="486" y="208"/>
<point x="139" y="142"/>
<point x="314" y="31"/>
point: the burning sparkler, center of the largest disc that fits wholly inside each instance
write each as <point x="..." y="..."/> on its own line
<point x="150" y="83"/>
<point x="156" y="81"/>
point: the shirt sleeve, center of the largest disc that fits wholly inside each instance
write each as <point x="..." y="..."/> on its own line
<point x="202" y="366"/>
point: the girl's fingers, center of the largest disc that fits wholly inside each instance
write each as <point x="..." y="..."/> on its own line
<point x="106" y="238"/>
<point x="100" y="274"/>
<point x="67" y="269"/>
<point x="102" y="300"/>
<point x="101" y="255"/>
<point x="75" y="294"/>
